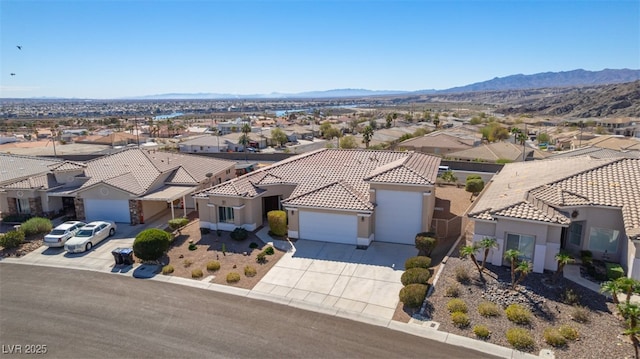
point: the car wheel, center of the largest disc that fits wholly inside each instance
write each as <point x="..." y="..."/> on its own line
<point x="112" y="231"/>
<point x="88" y="247"/>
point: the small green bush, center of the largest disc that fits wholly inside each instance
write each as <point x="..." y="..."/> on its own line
<point x="614" y="271"/>
<point x="197" y="273"/>
<point x="192" y="246"/>
<point x="457" y="305"/>
<point x="553" y="337"/>
<point x="417" y="262"/>
<point x="277" y="222"/>
<point x="462" y="275"/>
<point x="413" y="295"/>
<point x="239" y="234"/>
<point x="233" y="277"/>
<point x="253" y="245"/>
<point x="568" y="332"/>
<point x="36" y="225"/>
<point x="481" y="331"/>
<point x="569" y="296"/>
<point x="213" y="266"/>
<point x="178" y="223"/>
<point x="250" y="271"/>
<point x="16" y="218"/>
<point x="580" y="314"/>
<point x="520" y="338"/>
<point x="415" y="275"/>
<point x="12" y="239"/>
<point x="425" y="243"/>
<point x="460" y="319"/>
<point x="269" y="251"/>
<point x="151" y="244"/>
<point x="452" y="290"/>
<point x="518" y="314"/>
<point x="261" y="257"/>
<point x="168" y="269"/>
<point x="488" y="309"/>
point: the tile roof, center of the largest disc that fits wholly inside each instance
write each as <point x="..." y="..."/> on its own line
<point x="597" y="152"/>
<point x="67" y="166"/>
<point x="491" y="152"/>
<point x="14" y="167"/>
<point x="527" y="210"/>
<point x="333" y="169"/>
<point x="339" y="194"/>
<point x="43" y="181"/>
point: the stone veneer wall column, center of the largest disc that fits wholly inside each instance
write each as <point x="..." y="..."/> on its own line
<point x="79" y="203"/>
<point x="35" y="206"/>
<point x="13" y="205"/>
<point x="135" y="211"/>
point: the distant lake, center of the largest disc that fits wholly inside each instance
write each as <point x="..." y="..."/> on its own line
<point x="172" y="115"/>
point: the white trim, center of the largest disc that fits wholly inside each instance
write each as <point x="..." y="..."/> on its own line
<point x="293" y="234"/>
<point x="208" y="225"/>
<point x="363" y="241"/>
<point x="211" y="205"/>
<point x="238" y="207"/>
<point x="531" y="221"/>
<point x="539" y="253"/>
<point x="332" y="210"/>
<point x="226" y="226"/>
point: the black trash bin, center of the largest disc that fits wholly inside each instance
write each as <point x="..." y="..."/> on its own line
<point x="127" y="255"/>
<point x="117" y="255"/>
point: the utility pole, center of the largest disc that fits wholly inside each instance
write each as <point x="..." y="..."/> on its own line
<point x="524" y="143"/>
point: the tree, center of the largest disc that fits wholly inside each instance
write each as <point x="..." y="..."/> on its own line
<point x="332" y="132"/>
<point x="515" y="131"/>
<point x="474" y="185"/>
<point x="563" y="259"/>
<point x="388" y="121"/>
<point x="151" y="244"/>
<point x="522" y="138"/>
<point x="470" y="251"/>
<point x="436" y="121"/>
<point x="631" y="314"/>
<point x="425" y="243"/>
<point x="512" y="255"/>
<point x="367" y="134"/>
<point x="524" y="268"/>
<point x="449" y="177"/>
<point x="543" y="138"/>
<point x="611" y="287"/>
<point x="628" y="286"/>
<point x="324" y="127"/>
<point x="487" y="243"/>
<point x="278" y="136"/>
<point x="348" y="142"/>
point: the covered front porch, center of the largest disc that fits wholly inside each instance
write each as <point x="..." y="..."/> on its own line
<point x="174" y="199"/>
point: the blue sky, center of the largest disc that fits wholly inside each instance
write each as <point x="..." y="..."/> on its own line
<point x="114" y="49"/>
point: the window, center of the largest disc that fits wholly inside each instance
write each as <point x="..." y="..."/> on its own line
<point x="603" y="240"/>
<point x="23" y="206"/>
<point x="575" y="233"/>
<point x="225" y="214"/>
<point x="524" y="244"/>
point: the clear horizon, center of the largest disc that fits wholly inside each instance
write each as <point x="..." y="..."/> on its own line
<point x="117" y="49"/>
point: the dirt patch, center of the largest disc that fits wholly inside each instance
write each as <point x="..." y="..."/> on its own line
<point x="233" y="256"/>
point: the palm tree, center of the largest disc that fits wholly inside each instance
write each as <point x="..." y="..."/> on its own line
<point x="470" y="251"/>
<point x="611" y="287"/>
<point x="366" y="135"/>
<point x="629" y="286"/>
<point x="487" y="243"/>
<point x="512" y="255"/>
<point x="563" y="259"/>
<point x="631" y="314"/>
<point x="524" y="268"/>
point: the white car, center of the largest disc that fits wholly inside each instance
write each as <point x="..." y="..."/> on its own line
<point x="59" y="235"/>
<point x="90" y="235"/>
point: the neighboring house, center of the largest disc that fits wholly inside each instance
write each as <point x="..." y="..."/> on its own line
<point x="127" y="186"/>
<point x="439" y="143"/>
<point x="204" y="144"/>
<point x="613" y="124"/>
<point x="617" y="143"/>
<point x="570" y="204"/>
<point x="9" y="139"/>
<point x="112" y="139"/>
<point x="343" y="196"/>
<point x="493" y="152"/>
<point x="597" y="152"/>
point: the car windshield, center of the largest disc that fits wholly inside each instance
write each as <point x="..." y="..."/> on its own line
<point x="84" y="233"/>
<point x="57" y="232"/>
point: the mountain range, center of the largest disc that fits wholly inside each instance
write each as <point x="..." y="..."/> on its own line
<point x="574" y="78"/>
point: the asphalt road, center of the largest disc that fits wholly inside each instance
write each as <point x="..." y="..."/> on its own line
<point x="83" y="314"/>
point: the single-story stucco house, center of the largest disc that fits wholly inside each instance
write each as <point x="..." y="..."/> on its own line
<point x="126" y="186"/>
<point x="334" y="195"/>
<point x="568" y="204"/>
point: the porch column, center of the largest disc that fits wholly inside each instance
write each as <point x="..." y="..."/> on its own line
<point x="184" y="206"/>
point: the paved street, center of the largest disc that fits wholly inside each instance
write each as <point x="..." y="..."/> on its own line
<point x="80" y="314"/>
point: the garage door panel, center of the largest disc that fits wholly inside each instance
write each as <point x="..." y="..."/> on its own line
<point x="106" y="210"/>
<point x="398" y="216"/>
<point x="328" y="227"/>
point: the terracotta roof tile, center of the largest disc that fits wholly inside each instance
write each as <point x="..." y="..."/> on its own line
<point x="334" y="195"/>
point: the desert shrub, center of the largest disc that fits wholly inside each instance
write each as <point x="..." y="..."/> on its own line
<point x="481" y="331"/>
<point x="415" y="275"/>
<point x="151" y="244"/>
<point x="488" y="309"/>
<point x="261" y="257"/>
<point x="269" y="251"/>
<point x="187" y="263"/>
<point x="452" y="290"/>
<point x="168" y="269"/>
<point x="425" y="243"/>
<point x="462" y="275"/>
<point x="457" y="305"/>
<point x="197" y="273"/>
<point x="569" y="296"/>
<point x="586" y="257"/>
<point x="460" y="319"/>
<point x="253" y="245"/>
<point x="12" y="239"/>
<point x="250" y="271"/>
<point x="518" y="314"/>
<point x="213" y="266"/>
<point x="178" y="223"/>
<point x="16" y="218"/>
<point x="553" y="337"/>
<point x="36" y="225"/>
<point x="233" y="277"/>
<point x="568" y="332"/>
<point x="277" y="222"/>
<point x="614" y="271"/>
<point x="413" y="295"/>
<point x="417" y="262"/>
<point x="520" y="338"/>
<point x="192" y="246"/>
<point x="239" y="234"/>
<point x="580" y="314"/>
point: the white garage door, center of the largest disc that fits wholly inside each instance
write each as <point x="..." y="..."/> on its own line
<point x="107" y="210"/>
<point x="398" y="216"/>
<point x="329" y="227"/>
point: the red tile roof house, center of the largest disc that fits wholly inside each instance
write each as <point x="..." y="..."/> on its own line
<point x="128" y="186"/>
<point x="334" y="195"/>
<point x="570" y="204"/>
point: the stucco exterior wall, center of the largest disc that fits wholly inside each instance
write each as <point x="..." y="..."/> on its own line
<point x="104" y="192"/>
<point x="152" y="208"/>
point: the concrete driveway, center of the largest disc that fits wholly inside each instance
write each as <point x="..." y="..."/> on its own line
<point x="340" y="276"/>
